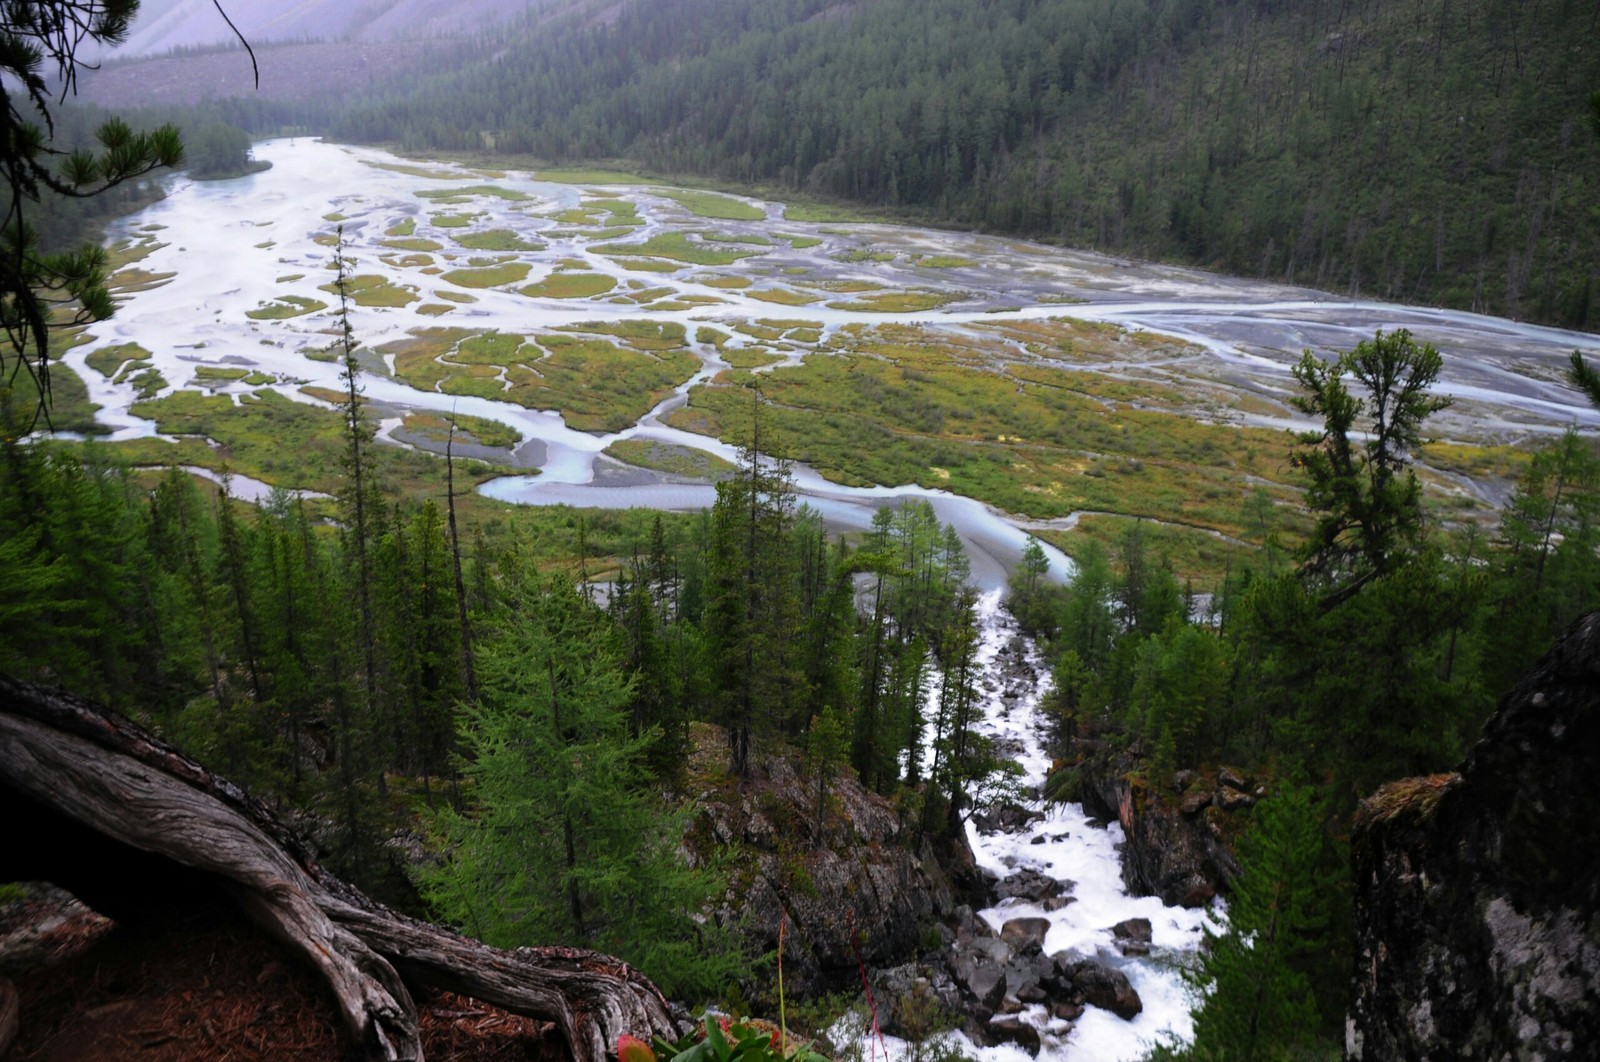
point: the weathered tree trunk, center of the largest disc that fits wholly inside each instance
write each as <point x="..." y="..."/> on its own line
<point x="8" y="1015"/>
<point x="123" y="820"/>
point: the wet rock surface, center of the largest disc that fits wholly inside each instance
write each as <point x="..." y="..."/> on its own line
<point x="1172" y="850"/>
<point x="868" y="876"/>
<point x="1476" y="892"/>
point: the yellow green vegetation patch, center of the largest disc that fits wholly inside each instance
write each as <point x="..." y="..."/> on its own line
<point x="131" y="279"/>
<point x="647" y="265"/>
<point x="899" y="404"/>
<point x="330" y="395"/>
<point x="898" y="302"/>
<point x="645" y="295"/>
<point x="570" y="286"/>
<point x="69" y="408"/>
<point x="415" y="243"/>
<point x="371" y="289"/>
<point x="426" y="172"/>
<point x="493" y="191"/>
<point x="456" y="296"/>
<point x="1505" y="463"/>
<point x="480" y="430"/>
<point x="945" y="261"/>
<point x="284" y="307"/>
<point x="670" y="458"/>
<point x="281" y="441"/>
<point x="824" y="213"/>
<point x="641" y="335"/>
<point x="862" y="254"/>
<point x="783" y="297"/>
<point x="578" y="215"/>
<point x="490" y="277"/>
<point x="435" y="309"/>
<point x="222" y="374"/>
<point x="843" y="287"/>
<point x="709" y="205"/>
<point x="404" y="227"/>
<point x="724" y="281"/>
<point x="587" y="177"/>
<point x="748" y="358"/>
<point x="497" y="240"/>
<point x="800" y="243"/>
<point x="718" y="237"/>
<point x="494" y="348"/>
<point x="679" y="247"/>
<point x="406" y="261"/>
<point x="289" y="278"/>
<point x="452" y="221"/>
<point x="107" y="360"/>
<point x="597" y="385"/>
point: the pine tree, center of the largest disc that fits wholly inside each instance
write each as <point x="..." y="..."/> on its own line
<point x="1368" y="501"/>
<point x="750" y="609"/>
<point x="563" y="844"/>
<point x="1259" y="1004"/>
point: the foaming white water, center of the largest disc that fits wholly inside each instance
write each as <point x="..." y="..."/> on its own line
<point x="1073" y="850"/>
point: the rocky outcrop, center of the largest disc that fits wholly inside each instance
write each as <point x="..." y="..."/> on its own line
<point x="1174" y="849"/>
<point x="1476" y="892"/>
<point x="986" y="980"/>
<point x="867" y="878"/>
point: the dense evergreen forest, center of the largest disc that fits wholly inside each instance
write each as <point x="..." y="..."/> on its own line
<point x="372" y="673"/>
<point x="386" y="671"/>
<point x="1422" y="150"/>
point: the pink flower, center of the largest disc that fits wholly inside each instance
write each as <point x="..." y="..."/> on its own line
<point x="633" y="1049"/>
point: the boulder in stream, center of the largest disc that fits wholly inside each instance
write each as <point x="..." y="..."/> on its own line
<point x="1026" y="935"/>
<point x="1103" y="987"/>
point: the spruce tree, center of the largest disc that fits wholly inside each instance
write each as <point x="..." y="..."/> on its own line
<point x="1259" y="1005"/>
<point x="563" y="842"/>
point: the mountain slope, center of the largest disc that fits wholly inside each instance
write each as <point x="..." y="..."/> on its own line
<point x="1419" y="149"/>
<point x="163" y="25"/>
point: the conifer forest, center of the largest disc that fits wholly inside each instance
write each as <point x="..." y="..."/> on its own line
<point x="931" y="528"/>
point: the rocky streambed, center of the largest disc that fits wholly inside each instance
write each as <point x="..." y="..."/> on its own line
<point x="1063" y="963"/>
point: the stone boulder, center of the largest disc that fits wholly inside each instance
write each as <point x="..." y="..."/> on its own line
<point x="1103" y="987"/>
<point x="1132" y="936"/>
<point x="1025" y="935"/>
<point x="1476" y="892"/>
<point x="1029" y="886"/>
<point x="1011" y="1029"/>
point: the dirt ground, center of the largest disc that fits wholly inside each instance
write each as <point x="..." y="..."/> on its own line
<point x="204" y="985"/>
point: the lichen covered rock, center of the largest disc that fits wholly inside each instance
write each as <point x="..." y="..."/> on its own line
<point x="1476" y="892"/>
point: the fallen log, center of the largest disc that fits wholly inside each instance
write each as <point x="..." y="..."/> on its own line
<point x="113" y="814"/>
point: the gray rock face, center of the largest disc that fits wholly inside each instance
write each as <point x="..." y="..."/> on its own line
<point x="867" y="878"/>
<point x="1476" y="892"/>
<point x="1171" y="851"/>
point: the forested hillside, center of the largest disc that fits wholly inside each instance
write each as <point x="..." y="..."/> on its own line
<point x="1425" y="150"/>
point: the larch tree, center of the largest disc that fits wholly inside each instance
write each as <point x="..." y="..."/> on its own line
<point x="1258" y="1004"/>
<point x="1366" y="498"/>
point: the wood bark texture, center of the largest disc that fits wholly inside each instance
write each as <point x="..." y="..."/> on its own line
<point x="152" y="806"/>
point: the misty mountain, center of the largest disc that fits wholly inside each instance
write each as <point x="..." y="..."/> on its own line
<point x="163" y="25"/>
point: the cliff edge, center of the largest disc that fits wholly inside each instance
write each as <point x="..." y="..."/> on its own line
<point x="1476" y="892"/>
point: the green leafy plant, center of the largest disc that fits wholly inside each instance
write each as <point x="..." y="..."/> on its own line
<point x="722" y="1040"/>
